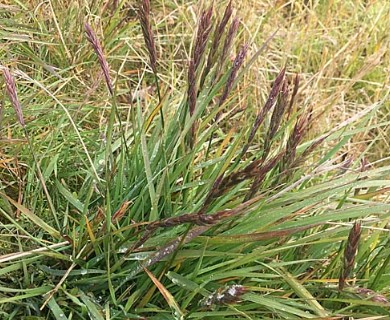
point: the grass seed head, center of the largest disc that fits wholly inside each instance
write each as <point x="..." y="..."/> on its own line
<point x="92" y="38"/>
<point x="301" y="127"/>
<point x="226" y="16"/>
<point x="260" y="173"/>
<point x="13" y="96"/>
<point x="144" y="18"/>
<point x="229" y="39"/>
<point x="219" y="32"/>
<point x="202" y="35"/>
<point x="192" y="90"/>
<point x="276" y="118"/>
<point x="293" y="95"/>
<point x="192" y="94"/>
<point x="350" y="253"/>
<point x="276" y="88"/>
<point x="238" y="61"/>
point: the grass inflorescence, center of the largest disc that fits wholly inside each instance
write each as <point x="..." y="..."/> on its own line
<point x="205" y="183"/>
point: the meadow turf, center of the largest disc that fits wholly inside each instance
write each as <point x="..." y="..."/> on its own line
<point x="194" y="160"/>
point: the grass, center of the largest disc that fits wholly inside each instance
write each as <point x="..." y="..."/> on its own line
<point x="171" y="165"/>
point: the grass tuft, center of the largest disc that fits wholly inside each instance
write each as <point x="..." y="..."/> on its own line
<point x="219" y="177"/>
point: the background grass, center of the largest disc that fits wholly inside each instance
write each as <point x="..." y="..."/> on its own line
<point x="72" y="259"/>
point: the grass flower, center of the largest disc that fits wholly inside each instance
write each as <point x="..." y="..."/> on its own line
<point x="97" y="47"/>
<point x="13" y="95"/>
<point x="350" y="253"/>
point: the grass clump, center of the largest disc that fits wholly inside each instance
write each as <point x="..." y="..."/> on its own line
<point x="180" y="193"/>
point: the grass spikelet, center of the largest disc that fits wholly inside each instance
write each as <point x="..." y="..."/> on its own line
<point x="268" y="105"/>
<point x="202" y="35"/>
<point x="226" y="16"/>
<point x="300" y="129"/>
<point x="260" y="173"/>
<point x="220" y="28"/>
<point x="144" y="18"/>
<point x="238" y="61"/>
<point x="350" y="253"/>
<point x="192" y="90"/>
<point x="93" y="39"/>
<point x="13" y="96"/>
<point x="257" y="169"/>
<point x="229" y="39"/>
<point x="214" y="189"/>
<point x="276" y="117"/>
<point x="293" y="95"/>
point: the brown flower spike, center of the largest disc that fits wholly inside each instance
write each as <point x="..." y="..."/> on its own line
<point x="13" y="96"/>
<point x="144" y="18"/>
<point x="350" y="253"/>
<point x="92" y="38"/>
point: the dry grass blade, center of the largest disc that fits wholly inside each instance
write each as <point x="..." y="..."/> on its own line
<point x="350" y="253"/>
<point x="33" y="252"/>
<point x="1" y="115"/>
<point x="51" y="293"/>
<point x="165" y="293"/>
<point x="92" y="38"/>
